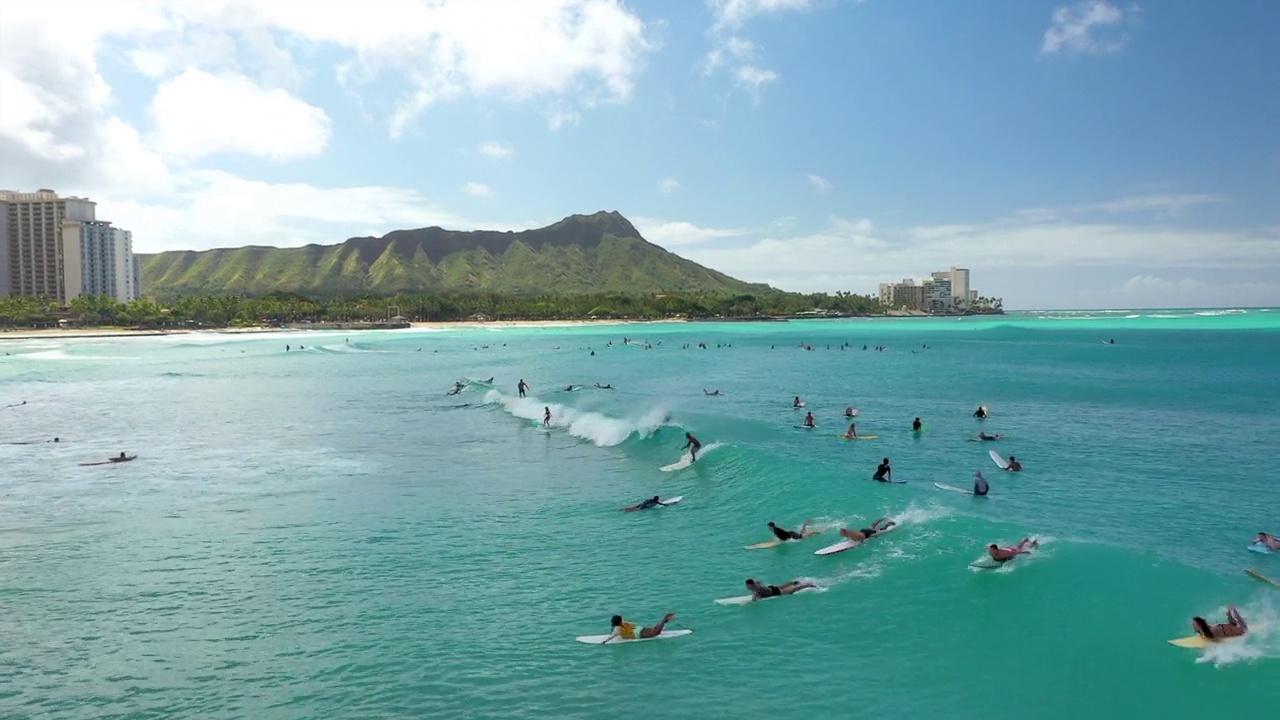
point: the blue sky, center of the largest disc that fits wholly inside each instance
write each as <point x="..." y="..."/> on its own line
<point x="1071" y="154"/>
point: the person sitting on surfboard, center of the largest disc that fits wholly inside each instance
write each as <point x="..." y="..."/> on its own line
<point x="884" y="473"/>
<point x="784" y="535"/>
<point x="980" y="486"/>
<point x="629" y="631"/>
<point x="916" y="425"/>
<point x="693" y="446"/>
<point x="121" y="458"/>
<point x="1014" y="465"/>
<point x="760" y="592"/>
<point x="1005" y="554"/>
<point x="867" y="533"/>
<point x="650" y="503"/>
<point x="1268" y="540"/>
<point x="852" y="432"/>
<point x="1235" y="626"/>
<point x="980" y="413"/>
<point x="797" y="403"/>
<point x="808" y="420"/>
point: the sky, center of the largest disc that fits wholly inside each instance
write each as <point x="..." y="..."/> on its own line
<point x="1089" y="154"/>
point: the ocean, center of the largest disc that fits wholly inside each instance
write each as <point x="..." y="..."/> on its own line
<point x="326" y="533"/>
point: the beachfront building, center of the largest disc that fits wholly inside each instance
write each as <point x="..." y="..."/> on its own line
<point x="943" y="291"/>
<point x="959" y="279"/>
<point x="54" y="246"/>
<point x="906" y="294"/>
<point x="937" y="295"/>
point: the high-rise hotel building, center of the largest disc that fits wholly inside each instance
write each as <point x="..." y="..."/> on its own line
<point x="54" y="246"/>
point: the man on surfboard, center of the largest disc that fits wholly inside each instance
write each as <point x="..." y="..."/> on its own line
<point x="121" y="458"/>
<point x="1267" y="540"/>
<point x="760" y="592"/>
<point x="1014" y="465"/>
<point x="980" y="486"/>
<point x="1005" y="554"/>
<point x="983" y="436"/>
<point x="865" y="534"/>
<point x="1235" y="626"/>
<point x="784" y="535"/>
<point x="629" y="631"/>
<point x="884" y="473"/>
<point x="650" y="503"/>
<point x="808" y="420"/>
<point x="980" y="413"/>
<point x="693" y="446"/>
<point x="521" y="387"/>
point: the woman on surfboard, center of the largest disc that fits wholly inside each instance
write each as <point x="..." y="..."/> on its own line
<point x="629" y="631"/>
<point x="1235" y="626"/>
<point x="760" y="592"/>
<point x="852" y="432"/>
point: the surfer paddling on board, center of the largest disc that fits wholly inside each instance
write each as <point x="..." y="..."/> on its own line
<point x="1014" y="465"/>
<point x="916" y="425"/>
<point x="784" y="535"/>
<point x="983" y="436"/>
<point x="652" y="502"/>
<point x="1005" y="554"/>
<point x="980" y="413"/>
<point x="760" y="591"/>
<point x="852" y="432"/>
<point x="521" y="387"/>
<point x="808" y="420"/>
<point x="713" y="393"/>
<point x="1235" y="626"/>
<point x="980" y="486"/>
<point x="693" y="446"/>
<point x="1267" y="540"/>
<point x="122" y="458"/>
<point x="629" y="631"/>
<point x="884" y="473"/>
<point x="865" y="534"/>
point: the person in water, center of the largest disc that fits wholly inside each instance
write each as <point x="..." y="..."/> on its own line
<point x="1235" y="626"/>
<point x="546" y="417"/>
<point x="712" y="393"/>
<point x="916" y="425"/>
<point x="760" y="591"/>
<point x="652" y="502"/>
<point x="607" y="386"/>
<point x="521" y="387"/>
<point x="808" y="420"/>
<point x="693" y="446"/>
<point x="1005" y="554"/>
<point x="797" y="403"/>
<point x="852" y="432"/>
<point x="980" y="413"/>
<point x="867" y="533"/>
<point x="980" y="486"/>
<point x="848" y="411"/>
<point x="784" y="535"/>
<point x="884" y="473"/>
<point x="1267" y="540"/>
<point x="982" y="435"/>
<point x="1014" y="465"/>
<point x="628" y="631"/>
<point x="121" y="458"/>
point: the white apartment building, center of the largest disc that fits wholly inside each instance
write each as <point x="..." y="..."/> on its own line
<point x="54" y="246"/>
<point x="942" y="291"/>
<point x="959" y="279"/>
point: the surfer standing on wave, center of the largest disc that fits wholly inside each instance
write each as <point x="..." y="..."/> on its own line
<point x="693" y="446"/>
<point x="521" y="387"/>
<point x="546" y="417"/>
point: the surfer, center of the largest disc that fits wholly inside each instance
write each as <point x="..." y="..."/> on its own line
<point x="121" y="458"/>
<point x="457" y="388"/>
<point x="546" y="417"/>
<point x="983" y="436"/>
<point x="713" y="393"/>
<point x="1005" y="554"/>
<point x="852" y="432"/>
<point x="521" y="387"/>
<point x="849" y="411"/>
<point x="760" y="592"/>
<point x="980" y="413"/>
<point x="784" y="535"/>
<point x="797" y="403"/>
<point x="916" y="425"/>
<point x="650" y="503"/>
<point x="693" y="446"/>
<point x="1014" y="465"/>
<point x="629" y="631"/>
<point x="808" y="420"/>
<point x="606" y="386"/>
<point x="1267" y="540"/>
<point x="867" y="533"/>
<point x="884" y="473"/>
<point x="980" y="486"/>
<point x="1235" y="626"/>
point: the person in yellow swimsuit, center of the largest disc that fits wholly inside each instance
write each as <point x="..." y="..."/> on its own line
<point x="628" y="631"/>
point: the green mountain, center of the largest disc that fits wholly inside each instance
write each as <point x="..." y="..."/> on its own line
<point x="582" y="253"/>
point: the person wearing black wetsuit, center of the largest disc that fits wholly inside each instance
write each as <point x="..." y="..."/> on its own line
<point x="784" y="535"/>
<point x="916" y="425"/>
<point x="883" y="473"/>
<point x="760" y="591"/>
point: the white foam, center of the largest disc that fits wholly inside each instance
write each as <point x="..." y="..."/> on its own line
<point x="1262" y="640"/>
<point x="601" y="430"/>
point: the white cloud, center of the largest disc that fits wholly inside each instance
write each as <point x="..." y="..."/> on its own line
<point x="819" y="183"/>
<point x="1151" y="291"/>
<point x="676" y="233"/>
<point x="1163" y="203"/>
<point x="1078" y="29"/>
<point x="738" y="55"/>
<point x="496" y="150"/>
<point x="735" y="13"/>
<point x="668" y="186"/>
<point x="479" y="190"/>
<point x="562" y="118"/>
<point x="197" y="114"/>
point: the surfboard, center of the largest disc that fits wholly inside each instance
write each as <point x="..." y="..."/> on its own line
<point x="746" y="599"/>
<point x="670" y="501"/>
<point x="1259" y="576"/>
<point x="108" y="462"/>
<point x="895" y="481"/>
<point x="860" y="437"/>
<point x="1196" y="642"/>
<point x="776" y="542"/>
<point x="849" y="544"/>
<point x="685" y="461"/>
<point x="999" y="461"/>
<point x="600" y="639"/>
<point x="952" y="488"/>
<point x="1260" y="548"/>
<point x="806" y="427"/>
<point x="797" y="407"/>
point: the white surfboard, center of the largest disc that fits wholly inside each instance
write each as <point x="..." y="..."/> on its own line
<point x="850" y="544"/>
<point x="999" y="461"/>
<point x="685" y="461"/>
<point x="600" y="639"/>
<point x="952" y="488"/>
<point x="747" y="599"/>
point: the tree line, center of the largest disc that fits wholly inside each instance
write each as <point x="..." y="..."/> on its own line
<point x="281" y="308"/>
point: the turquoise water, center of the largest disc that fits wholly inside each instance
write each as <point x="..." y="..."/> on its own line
<point x="326" y="534"/>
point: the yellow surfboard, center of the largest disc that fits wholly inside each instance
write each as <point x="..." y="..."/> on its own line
<point x="1259" y="576"/>
<point x="861" y="437"/>
<point x="1197" y="642"/>
<point x="763" y="545"/>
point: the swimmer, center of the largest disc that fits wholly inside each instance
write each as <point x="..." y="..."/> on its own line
<point x="761" y="592"/>
<point x="865" y="534"/>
